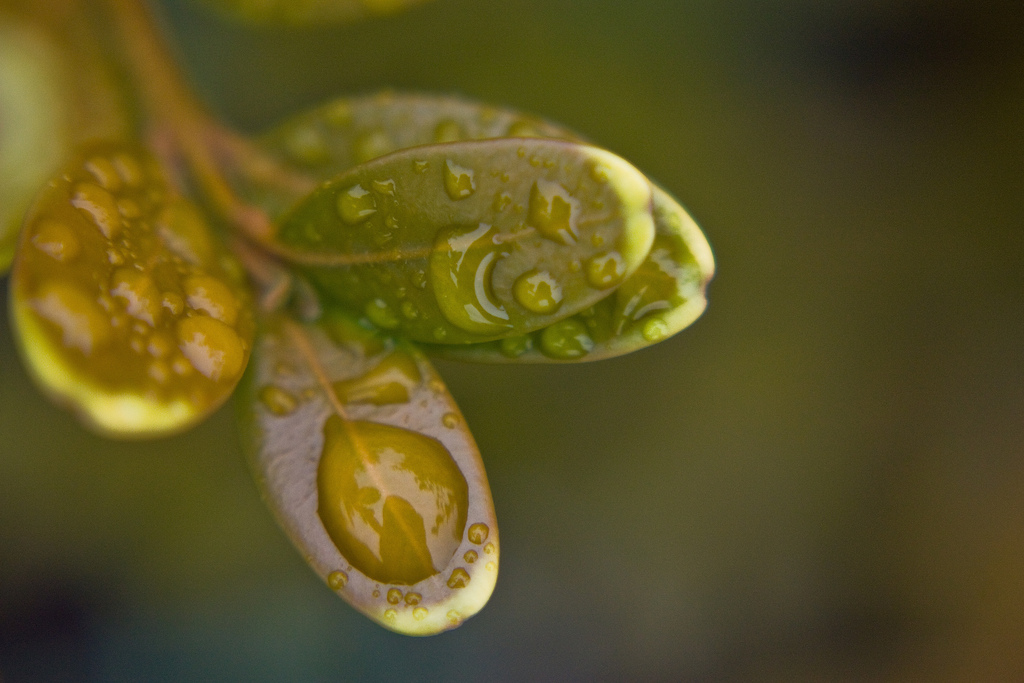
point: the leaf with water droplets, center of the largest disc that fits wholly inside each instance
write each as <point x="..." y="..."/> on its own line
<point x="307" y="12"/>
<point x="471" y="241"/>
<point x="364" y="458"/>
<point x="665" y="295"/>
<point x="55" y="89"/>
<point x="125" y="306"/>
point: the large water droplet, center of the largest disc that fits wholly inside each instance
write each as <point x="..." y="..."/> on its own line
<point x="566" y="340"/>
<point x="381" y="315"/>
<point x="394" y="596"/>
<point x="213" y="348"/>
<point x="458" y="180"/>
<point x="100" y="207"/>
<point x="606" y="270"/>
<point x="413" y="599"/>
<point x="83" y="323"/>
<point x="391" y="381"/>
<point x="356" y="204"/>
<point x="141" y="296"/>
<point x="478" y="533"/>
<point x="337" y="580"/>
<point x="213" y="297"/>
<point x="393" y="501"/>
<point x="553" y="211"/>
<point x="461" y="266"/>
<point x="458" y="579"/>
<point x="538" y="291"/>
<point x="56" y="240"/>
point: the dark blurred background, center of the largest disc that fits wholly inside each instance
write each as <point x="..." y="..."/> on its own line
<point x="821" y="480"/>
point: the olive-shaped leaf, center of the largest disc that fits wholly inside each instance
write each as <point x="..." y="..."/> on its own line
<point x="367" y="463"/>
<point x="666" y="294"/>
<point x="472" y="241"/>
<point x="124" y="305"/>
<point x="303" y="12"/>
<point x="54" y="90"/>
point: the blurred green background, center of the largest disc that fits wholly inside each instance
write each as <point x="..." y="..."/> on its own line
<point x="822" y="479"/>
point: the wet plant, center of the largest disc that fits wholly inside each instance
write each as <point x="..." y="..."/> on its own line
<point x="161" y="262"/>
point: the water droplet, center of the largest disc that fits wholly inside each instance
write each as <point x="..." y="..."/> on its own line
<point x="381" y="315"/>
<point x="183" y="229"/>
<point x="129" y="170"/>
<point x="413" y="599"/>
<point x="114" y="257"/>
<point x="337" y="580"/>
<point x="100" y="207"/>
<point x="458" y="180"/>
<point x="440" y="333"/>
<point x="213" y="297"/>
<point x="390" y="614"/>
<point x="160" y="346"/>
<point x="420" y="166"/>
<point x="502" y="201"/>
<point x="181" y="366"/>
<point x="376" y="593"/>
<point x="370" y="145"/>
<point x="513" y="347"/>
<point x="356" y="204"/>
<point x="490" y="566"/>
<point x="394" y="596"/>
<point x="553" y="211"/>
<point x="278" y="401"/>
<point x="606" y="270"/>
<point x="420" y="613"/>
<point x="450" y="420"/>
<point x="655" y="329"/>
<point x="470" y="557"/>
<point x="391" y="381"/>
<point x="393" y="501"/>
<point x="453" y="617"/>
<point x="213" y="348"/>
<point x="173" y="302"/>
<point x="384" y="187"/>
<point x="478" y="533"/>
<point x="566" y="340"/>
<point x="81" y="320"/>
<point x="461" y="267"/>
<point x="458" y="579"/>
<point x="142" y="298"/>
<point x="128" y="209"/>
<point x="409" y="310"/>
<point x="159" y="371"/>
<point x="489" y="549"/>
<point x="104" y="173"/>
<point x="538" y="291"/>
<point x="306" y="145"/>
<point x="56" y="240"/>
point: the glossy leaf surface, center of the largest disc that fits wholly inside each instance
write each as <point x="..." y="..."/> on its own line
<point x="303" y="12"/>
<point x="665" y="295"/>
<point x="126" y="307"/>
<point x="366" y="461"/>
<point x="471" y="241"/>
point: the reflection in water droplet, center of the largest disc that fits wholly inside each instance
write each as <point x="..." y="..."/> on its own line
<point x="356" y="204"/>
<point x="213" y="348"/>
<point x="420" y="613"/>
<point x="393" y="501"/>
<point x="606" y="270"/>
<point x="277" y="400"/>
<point x="538" y="291"/>
<point x="390" y="614"/>
<point x="384" y="187"/>
<point x="337" y="580"/>
<point x="394" y="596"/>
<point x="56" y="240"/>
<point x="478" y="533"/>
<point x="450" y="420"/>
<point x="458" y="579"/>
<point x="461" y="266"/>
<point x="489" y="549"/>
<point x="99" y="206"/>
<point x="458" y="180"/>
<point x="470" y="557"/>
<point x="142" y="298"/>
<point x="381" y="315"/>
<point x="553" y="211"/>
<point x="566" y="340"/>
<point x="391" y="381"/>
<point x="412" y="599"/>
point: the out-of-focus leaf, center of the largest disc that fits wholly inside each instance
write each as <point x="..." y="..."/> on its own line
<point x="471" y="241"/>
<point x="364" y="458"/>
<point x="306" y="12"/>
<point x="55" y="90"/>
<point x="664" y="295"/>
<point x="125" y="307"/>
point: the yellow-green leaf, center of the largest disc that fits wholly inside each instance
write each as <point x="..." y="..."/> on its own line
<point x="367" y="463"/>
<point x="125" y="306"/>
<point x="305" y="12"/>
<point x="471" y="241"/>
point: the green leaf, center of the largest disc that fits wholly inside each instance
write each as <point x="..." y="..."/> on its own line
<point x="125" y="306"/>
<point x="307" y="12"/>
<point x="665" y="295"/>
<point x="55" y="89"/>
<point x="367" y="463"/>
<point x="471" y="241"/>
